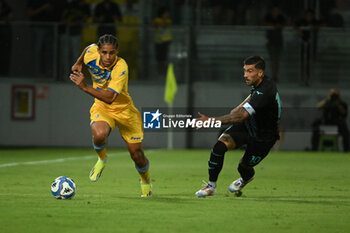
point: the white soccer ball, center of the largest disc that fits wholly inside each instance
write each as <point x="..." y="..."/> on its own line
<point x="63" y="187"/>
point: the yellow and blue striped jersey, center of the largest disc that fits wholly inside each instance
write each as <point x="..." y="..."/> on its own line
<point x="114" y="77"/>
<point x="162" y="34"/>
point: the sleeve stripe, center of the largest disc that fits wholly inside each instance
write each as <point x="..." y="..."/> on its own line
<point x="249" y="108"/>
<point x="112" y="90"/>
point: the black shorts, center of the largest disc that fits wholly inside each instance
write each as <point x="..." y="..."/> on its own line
<point x="162" y="50"/>
<point x="255" y="151"/>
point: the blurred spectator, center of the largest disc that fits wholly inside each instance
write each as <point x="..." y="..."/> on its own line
<point x="334" y="112"/>
<point x="335" y="20"/>
<point x="331" y="12"/>
<point x="74" y="16"/>
<point x="275" y="19"/>
<point x="307" y="29"/>
<point x="130" y="11"/>
<point x="6" y="37"/>
<point x="43" y="13"/>
<point x="130" y="39"/>
<point x="106" y="14"/>
<point x="228" y="12"/>
<point x="162" y="39"/>
<point x="223" y="12"/>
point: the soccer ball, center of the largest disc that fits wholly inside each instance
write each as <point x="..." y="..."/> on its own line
<point x="63" y="187"/>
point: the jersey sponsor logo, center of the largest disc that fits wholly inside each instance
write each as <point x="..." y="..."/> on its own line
<point x="151" y="120"/>
<point x="122" y="73"/>
<point x="259" y="93"/>
<point x="135" y="138"/>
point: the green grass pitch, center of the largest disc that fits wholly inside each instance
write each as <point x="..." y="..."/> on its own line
<point x="292" y="192"/>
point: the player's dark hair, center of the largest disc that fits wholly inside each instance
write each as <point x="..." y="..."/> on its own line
<point x="107" y="39"/>
<point x="257" y="61"/>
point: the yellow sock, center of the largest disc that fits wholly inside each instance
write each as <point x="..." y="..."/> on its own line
<point x="145" y="176"/>
<point x="102" y="154"/>
<point x="144" y="173"/>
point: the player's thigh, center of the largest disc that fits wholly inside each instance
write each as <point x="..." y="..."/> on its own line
<point x="130" y="125"/>
<point x="101" y="122"/>
<point x="256" y="152"/>
<point x="235" y="136"/>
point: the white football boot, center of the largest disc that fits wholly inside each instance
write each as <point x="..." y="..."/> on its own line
<point x="238" y="184"/>
<point x="208" y="190"/>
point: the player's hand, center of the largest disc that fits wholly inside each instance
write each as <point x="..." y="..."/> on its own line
<point x="77" y="68"/>
<point x="78" y="78"/>
<point x="202" y="119"/>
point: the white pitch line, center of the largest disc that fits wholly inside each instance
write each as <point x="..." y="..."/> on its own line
<point x="308" y="200"/>
<point x="61" y="160"/>
<point x="191" y="197"/>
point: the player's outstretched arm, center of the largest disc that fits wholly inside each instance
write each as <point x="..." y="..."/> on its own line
<point x="106" y="96"/>
<point x="237" y="115"/>
<point x="202" y="118"/>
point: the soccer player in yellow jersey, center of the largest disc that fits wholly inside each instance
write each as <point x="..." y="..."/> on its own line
<point x="113" y="105"/>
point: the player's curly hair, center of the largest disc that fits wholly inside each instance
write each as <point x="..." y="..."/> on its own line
<point x="257" y="61"/>
<point x="107" y="39"/>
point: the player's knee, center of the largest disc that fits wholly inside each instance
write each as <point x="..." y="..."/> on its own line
<point x="228" y="141"/>
<point x="100" y="137"/>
